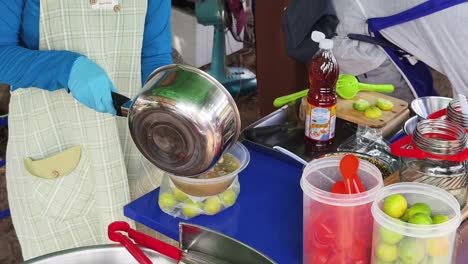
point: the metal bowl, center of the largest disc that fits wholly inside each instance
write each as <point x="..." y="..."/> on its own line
<point x="114" y="254"/>
<point x="424" y="106"/>
<point x="410" y="125"/>
<point x="183" y="120"/>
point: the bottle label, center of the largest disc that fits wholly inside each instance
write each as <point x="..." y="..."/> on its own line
<point x="320" y="122"/>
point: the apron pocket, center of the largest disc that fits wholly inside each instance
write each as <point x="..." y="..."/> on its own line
<point x="63" y="185"/>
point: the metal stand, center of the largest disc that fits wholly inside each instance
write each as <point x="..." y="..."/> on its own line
<point x="237" y="80"/>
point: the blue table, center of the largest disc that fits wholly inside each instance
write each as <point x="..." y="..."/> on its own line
<point x="267" y="215"/>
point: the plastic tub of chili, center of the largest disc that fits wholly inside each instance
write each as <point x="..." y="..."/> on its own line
<point x="337" y="227"/>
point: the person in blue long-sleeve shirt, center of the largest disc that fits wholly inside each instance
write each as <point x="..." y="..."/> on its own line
<point x="72" y="165"/>
<point x="23" y="66"/>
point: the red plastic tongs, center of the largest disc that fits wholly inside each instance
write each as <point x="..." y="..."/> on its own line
<point x="114" y="233"/>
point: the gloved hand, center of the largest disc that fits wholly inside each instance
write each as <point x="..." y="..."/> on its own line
<point x="91" y="86"/>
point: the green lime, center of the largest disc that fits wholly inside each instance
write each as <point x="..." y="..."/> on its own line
<point x="389" y="237"/>
<point x="439" y="219"/>
<point x="228" y="197"/>
<point x="166" y="201"/>
<point x="212" y="205"/>
<point x="424" y="260"/>
<point x="387" y="252"/>
<point x="373" y="112"/>
<point x="384" y="104"/>
<point x="412" y="250"/>
<point x="191" y="209"/>
<point x="438" y="246"/>
<point x="179" y="195"/>
<point x="405" y="216"/>
<point x="419" y="208"/>
<point x="361" y="105"/>
<point x="379" y="261"/>
<point x="395" y="205"/>
<point x="420" y="219"/>
<point x="438" y="260"/>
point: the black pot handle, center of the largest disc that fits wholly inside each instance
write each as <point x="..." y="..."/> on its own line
<point x="119" y="102"/>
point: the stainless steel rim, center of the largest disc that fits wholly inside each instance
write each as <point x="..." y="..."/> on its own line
<point x="408" y="127"/>
<point x="442" y="128"/>
<point x="455" y="114"/>
<point x="415" y="104"/>
<point x="91" y="249"/>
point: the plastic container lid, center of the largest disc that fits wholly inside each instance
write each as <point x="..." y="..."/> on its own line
<point x="440" y="201"/>
<point x="326" y="44"/>
<point x="320" y="38"/>
<point x="317" y="36"/>
<point x="239" y="151"/>
<point x="315" y="182"/>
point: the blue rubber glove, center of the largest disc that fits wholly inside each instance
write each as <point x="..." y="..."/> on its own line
<point x="91" y="86"/>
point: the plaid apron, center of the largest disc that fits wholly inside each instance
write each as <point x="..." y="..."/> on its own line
<point x="56" y="212"/>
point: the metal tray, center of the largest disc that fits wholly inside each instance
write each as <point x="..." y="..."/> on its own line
<point x="282" y="128"/>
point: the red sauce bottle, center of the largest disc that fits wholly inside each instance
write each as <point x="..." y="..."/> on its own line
<point x="322" y="98"/>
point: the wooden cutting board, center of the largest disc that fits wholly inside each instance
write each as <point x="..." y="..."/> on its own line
<point x="395" y="124"/>
<point x="345" y="110"/>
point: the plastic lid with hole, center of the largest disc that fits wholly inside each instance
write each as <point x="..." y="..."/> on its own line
<point x="318" y="176"/>
<point x="440" y="201"/>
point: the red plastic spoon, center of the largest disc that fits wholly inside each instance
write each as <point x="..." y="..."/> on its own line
<point x="349" y="167"/>
<point x="339" y="187"/>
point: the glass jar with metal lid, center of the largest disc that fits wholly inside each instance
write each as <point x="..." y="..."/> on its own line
<point x="436" y="154"/>
<point x="455" y="115"/>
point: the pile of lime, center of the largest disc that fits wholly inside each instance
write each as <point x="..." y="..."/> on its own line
<point x="175" y="200"/>
<point x="393" y="247"/>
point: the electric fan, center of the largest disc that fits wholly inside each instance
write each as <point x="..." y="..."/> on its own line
<point x="222" y="15"/>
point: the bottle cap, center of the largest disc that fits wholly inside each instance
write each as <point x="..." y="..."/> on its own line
<point x="326" y="44"/>
<point x="317" y="36"/>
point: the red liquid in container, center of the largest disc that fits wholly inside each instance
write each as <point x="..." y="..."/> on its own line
<point x="337" y="235"/>
<point x="322" y="98"/>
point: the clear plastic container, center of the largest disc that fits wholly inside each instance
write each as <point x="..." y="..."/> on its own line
<point x="396" y="241"/>
<point x="179" y="204"/>
<point x="337" y="227"/>
<point x="213" y="186"/>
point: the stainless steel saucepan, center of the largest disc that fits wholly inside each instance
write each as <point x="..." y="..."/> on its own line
<point x="182" y="121"/>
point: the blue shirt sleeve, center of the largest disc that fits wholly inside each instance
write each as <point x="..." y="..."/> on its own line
<point x="157" y="39"/>
<point x="21" y="67"/>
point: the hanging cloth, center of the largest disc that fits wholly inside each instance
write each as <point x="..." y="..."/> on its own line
<point x="426" y="46"/>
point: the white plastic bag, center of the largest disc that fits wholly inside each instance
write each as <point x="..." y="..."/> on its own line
<point x="175" y="202"/>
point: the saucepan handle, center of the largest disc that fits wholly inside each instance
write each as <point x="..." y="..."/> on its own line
<point x="121" y="104"/>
